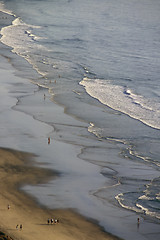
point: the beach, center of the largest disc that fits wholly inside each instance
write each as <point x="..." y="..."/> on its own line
<point x="79" y="119"/>
<point x="18" y="168"/>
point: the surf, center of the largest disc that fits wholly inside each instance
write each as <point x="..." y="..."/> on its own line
<point x="124" y="100"/>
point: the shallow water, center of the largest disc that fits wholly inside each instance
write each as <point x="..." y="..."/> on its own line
<point x="100" y="61"/>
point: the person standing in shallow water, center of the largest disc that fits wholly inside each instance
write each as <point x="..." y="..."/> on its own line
<point x="138" y="222"/>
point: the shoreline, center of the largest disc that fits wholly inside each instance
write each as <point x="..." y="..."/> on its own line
<point x="27" y="122"/>
<point x="23" y="132"/>
<point x="16" y="170"/>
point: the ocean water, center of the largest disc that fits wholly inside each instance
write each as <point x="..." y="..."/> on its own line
<point x="100" y="61"/>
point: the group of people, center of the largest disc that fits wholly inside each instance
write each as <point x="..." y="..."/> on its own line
<point x="51" y="221"/>
<point x="19" y="226"/>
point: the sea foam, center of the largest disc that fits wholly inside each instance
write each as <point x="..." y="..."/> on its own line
<point x="124" y="100"/>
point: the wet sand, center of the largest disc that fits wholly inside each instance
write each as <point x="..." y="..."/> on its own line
<point x="17" y="169"/>
<point x="21" y="103"/>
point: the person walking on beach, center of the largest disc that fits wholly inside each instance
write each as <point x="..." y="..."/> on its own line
<point x="8" y="206"/>
<point x="17" y="226"/>
<point x="52" y="220"/>
<point x="48" y="221"/>
<point x="21" y="227"/>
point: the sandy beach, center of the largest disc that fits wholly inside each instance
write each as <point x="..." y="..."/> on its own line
<point x="64" y="155"/>
<point x="23" y="147"/>
<point x="16" y="170"/>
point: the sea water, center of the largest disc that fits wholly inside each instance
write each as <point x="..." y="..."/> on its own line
<point x="100" y="60"/>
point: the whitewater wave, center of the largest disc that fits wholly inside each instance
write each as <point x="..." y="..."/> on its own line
<point x="21" y="38"/>
<point x="146" y="202"/>
<point x="124" y="100"/>
<point x="18" y="35"/>
<point x="4" y="10"/>
<point x="148" y="212"/>
<point x="120" y="198"/>
<point x="138" y="207"/>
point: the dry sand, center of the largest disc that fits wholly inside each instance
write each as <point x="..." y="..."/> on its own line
<point x="18" y="168"/>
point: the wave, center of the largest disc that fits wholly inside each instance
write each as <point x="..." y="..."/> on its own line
<point x="146" y="201"/>
<point x="4" y="10"/>
<point x="24" y="42"/>
<point x="148" y="212"/>
<point x="121" y="198"/>
<point x="146" y="159"/>
<point x="139" y="207"/>
<point x="20" y="37"/>
<point x="124" y="100"/>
